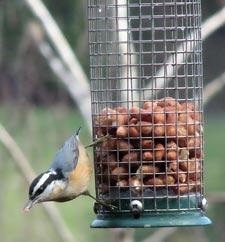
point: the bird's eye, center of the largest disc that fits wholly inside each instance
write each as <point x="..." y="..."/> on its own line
<point x="41" y="188"/>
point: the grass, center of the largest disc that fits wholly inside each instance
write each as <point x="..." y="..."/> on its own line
<point x="39" y="132"/>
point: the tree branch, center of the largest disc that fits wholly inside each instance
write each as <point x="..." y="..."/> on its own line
<point x="61" y="45"/>
<point x="58" y="68"/>
<point x="208" y="27"/>
<point x="212" y="88"/>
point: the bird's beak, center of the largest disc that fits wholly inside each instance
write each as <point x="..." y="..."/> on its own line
<point x="78" y="132"/>
<point x="29" y="205"/>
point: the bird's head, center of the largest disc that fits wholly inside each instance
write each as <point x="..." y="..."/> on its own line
<point x="45" y="187"/>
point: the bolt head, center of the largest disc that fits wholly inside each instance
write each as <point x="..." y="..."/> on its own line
<point x="136" y="207"/>
<point x="204" y="204"/>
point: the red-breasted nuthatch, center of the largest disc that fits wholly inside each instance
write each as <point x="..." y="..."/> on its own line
<point x="67" y="178"/>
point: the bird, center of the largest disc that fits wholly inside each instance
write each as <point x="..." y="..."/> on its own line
<point x="67" y="177"/>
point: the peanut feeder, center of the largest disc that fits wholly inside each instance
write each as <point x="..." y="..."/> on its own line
<point x="146" y="87"/>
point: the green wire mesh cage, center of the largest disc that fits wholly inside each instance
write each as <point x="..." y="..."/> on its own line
<point x="147" y="111"/>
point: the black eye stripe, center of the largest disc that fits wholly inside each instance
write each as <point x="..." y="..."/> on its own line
<point x="58" y="175"/>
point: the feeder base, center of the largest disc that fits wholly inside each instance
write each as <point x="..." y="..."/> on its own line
<point x="176" y="219"/>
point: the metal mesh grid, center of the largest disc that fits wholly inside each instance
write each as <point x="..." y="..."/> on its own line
<point x="146" y="89"/>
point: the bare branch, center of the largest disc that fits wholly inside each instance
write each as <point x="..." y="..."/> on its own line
<point x="58" y="68"/>
<point x="212" y="88"/>
<point x="208" y="27"/>
<point x="65" y="52"/>
<point x="26" y="171"/>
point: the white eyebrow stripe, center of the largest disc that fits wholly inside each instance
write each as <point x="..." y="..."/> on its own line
<point x="41" y="181"/>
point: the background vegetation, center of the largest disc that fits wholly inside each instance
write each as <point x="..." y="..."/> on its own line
<point x="39" y="114"/>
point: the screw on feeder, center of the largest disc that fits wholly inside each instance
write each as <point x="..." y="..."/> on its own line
<point x="136" y="208"/>
<point x="203" y="204"/>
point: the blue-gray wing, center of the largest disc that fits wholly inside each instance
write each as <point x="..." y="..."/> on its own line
<point x="66" y="157"/>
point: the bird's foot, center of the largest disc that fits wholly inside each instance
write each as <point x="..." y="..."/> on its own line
<point x="106" y="205"/>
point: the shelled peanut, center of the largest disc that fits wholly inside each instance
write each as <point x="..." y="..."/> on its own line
<point x="156" y="145"/>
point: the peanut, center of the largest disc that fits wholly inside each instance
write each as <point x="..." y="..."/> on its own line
<point x="159" y="130"/>
<point x="171" y="130"/>
<point x="100" y="132"/>
<point x="155" y="181"/>
<point x="168" y="180"/>
<point x="119" y="173"/>
<point x="196" y="153"/>
<point x="194" y="142"/>
<point x="146" y="115"/>
<point x="135" y="112"/>
<point x="173" y="166"/>
<point x="186" y="106"/>
<point x="132" y="156"/>
<point x="158" y="115"/>
<point x="122" y="110"/>
<point x="123" y="145"/>
<point x="196" y="116"/>
<point x="146" y="170"/>
<point x="133" y="121"/>
<point x="147" y="144"/>
<point x="192" y="186"/>
<point x="194" y="129"/>
<point x="149" y="105"/>
<point x="181" y="189"/>
<point x="167" y="101"/>
<point x="121" y="119"/>
<point x="135" y="184"/>
<point x="181" y="176"/>
<point x="140" y="114"/>
<point x="184" y="118"/>
<point x="122" y="183"/>
<point x="171" y="117"/>
<point x="184" y="154"/>
<point x="159" y="152"/>
<point x="193" y="168"/>
<point x="147" y="156"/>
<point x="145" y="127"/>
<point x="122" y="132"/>
<point x="106" y="117"/>
<point x="190" y="165"/>
<point x="181" y="131"/>
<point x="109" y="144"/>
<point x="112" y="161"/>
<point x="171" y="155"/>
<point x="133" y="131"/>
<point x="171" y="145"/>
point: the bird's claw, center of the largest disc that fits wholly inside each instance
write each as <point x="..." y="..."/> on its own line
<point x="97" y="205"/>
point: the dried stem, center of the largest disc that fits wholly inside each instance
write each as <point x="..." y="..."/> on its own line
<point x="79" y="80"/>
<point x="27" y="172"/>
<point x="208" y="27"/>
